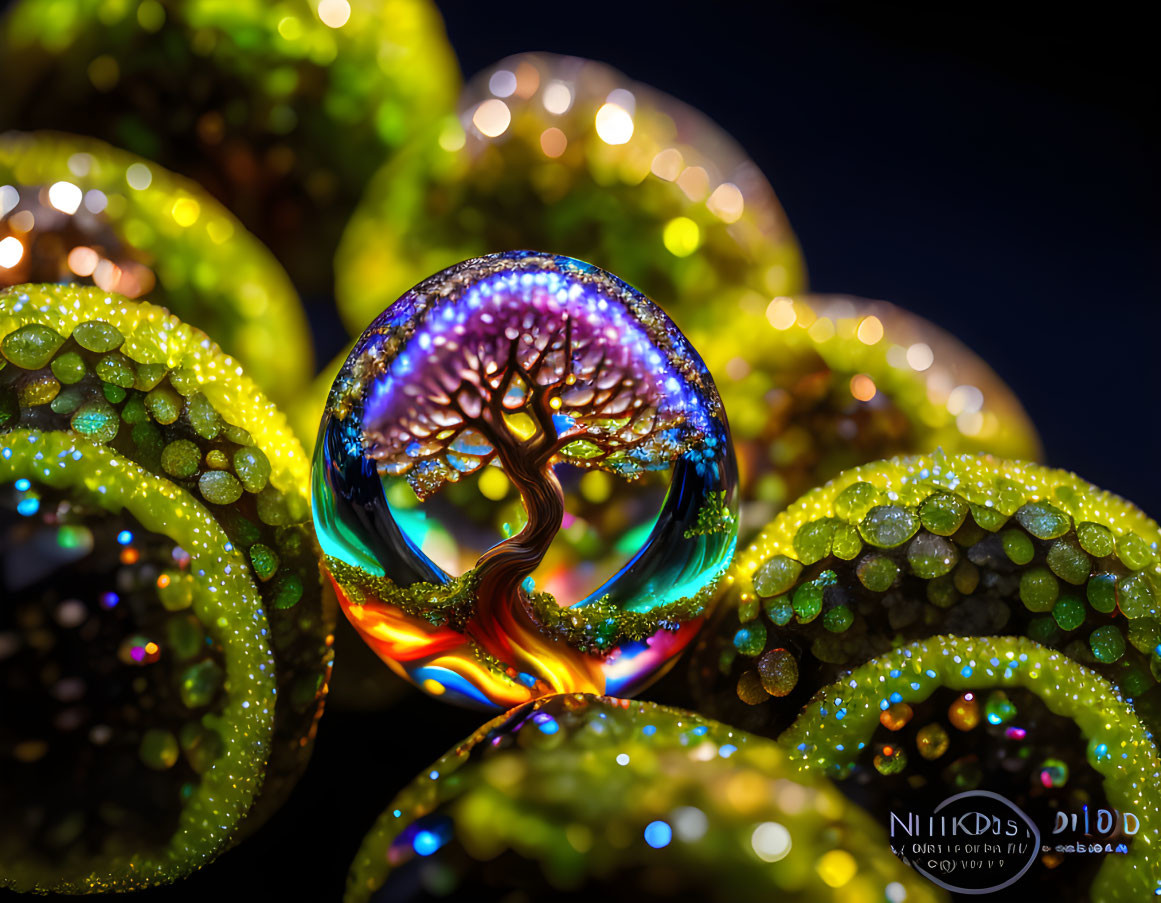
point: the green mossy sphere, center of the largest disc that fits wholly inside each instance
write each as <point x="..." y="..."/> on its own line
<point x="168" y="615"/>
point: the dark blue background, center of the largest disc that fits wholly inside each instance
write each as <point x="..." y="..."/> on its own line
<point x="995" y="176"/>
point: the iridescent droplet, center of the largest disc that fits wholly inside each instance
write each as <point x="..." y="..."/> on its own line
<point x="1039" y="589"/>
<point x="40" y="389"/>
<point x="988" y="519"/>
<point x="96" y="420"/>
<point x="252" y="468"/>
<point x="1017" y="546"/>
<point x="853" y="503"/>
<point x="204" y="419"/>
<point x="265" y="561"/>
<point x="219" y="487"/>
<point x="1136" y="599"/>
<point x="812" y="542"/>
<point x="780" y="611"/>
<point x="1133" y="551"/>
<point x="1096" y="539"/>
<point x="846" y="543"/>
<point x="31" y="346"/>
<point x="1069" y="612"/>
<point x="216" y="459"/>
<point x="748" y="607"/>
<point x="1102" y="592"/>
<point x="808" y="601"/>
<point x="98" y="336"/>
<point x="69" y="368"/>
<point x="876" y="572"/>
<point x="1068" y="561"/>
<point x="164" y="405"/>
<point x="181" y="458"/>
<point x="116" y="369"/>
<point x="838" y="619"/>
<point x="751" y="639"/>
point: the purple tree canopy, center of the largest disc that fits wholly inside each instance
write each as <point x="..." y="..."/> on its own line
<point x="529" y="370"/>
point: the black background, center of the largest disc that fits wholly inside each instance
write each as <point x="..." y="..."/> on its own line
<point x="995" y="175"/>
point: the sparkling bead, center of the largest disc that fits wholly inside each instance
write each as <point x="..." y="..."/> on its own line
<point x="751" y="639"/>
<point x="32" y="346"/>
<point x="890" y="759"/>
<point x="1038" y="589"/>
<point x="778" y="670"/>
<point x="932" y="741"/>
<point x="1053" y="773"/>
<point x="776" y="576"/>
<point x="1107" y="643"/>
<point x="931" y="556"/>
<point x="943" y="513"/>
<point x="896" y="717"/>
<point x="1043" y="520"/>
<point x="98" y="336"/>
<point x="964" y="713"/>
<point x="998" y="708"/>
<point x="877" y="572"/>
<point x="750" y="688"/>
<point x="889" y="526"/>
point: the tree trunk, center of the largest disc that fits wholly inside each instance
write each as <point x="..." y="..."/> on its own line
<point x="504" y="566"/>
<point x="503" y="623"/>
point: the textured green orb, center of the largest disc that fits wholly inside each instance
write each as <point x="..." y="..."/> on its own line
<point x="953" y="544"/>
<point x="819" y="384"/>
<point x="172" y="635"/>
<point x="570" y="155"/>
<point x="602" y="797"/>
<point x="84" y="212"/>
<point x="281" y="110"/>
<point x="1076" y="714"/>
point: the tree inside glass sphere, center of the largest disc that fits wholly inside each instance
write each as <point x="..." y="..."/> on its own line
<point x="524" y="363"/>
